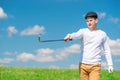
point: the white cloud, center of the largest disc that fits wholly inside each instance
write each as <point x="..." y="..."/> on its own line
<point x="114" y="19"/>
<point x="25" y="57"/>
<point x="12" y="30"/>
<point x="49" y="55"/>
<point x="10" y="53"/>
<point x="2" y="13"/>
<point x="42" y="55"/>
<point x="45" y="51"/>
<point x="73" y="49"/>
<point x="115" y="46"/>
<point x="35" y="30"/>
<point x="74" y="66"/>
<point x="101" y="14"/>
<point x="45" y="58"/>
<point x="5" y="60"/>
<point x="45" y="55"/>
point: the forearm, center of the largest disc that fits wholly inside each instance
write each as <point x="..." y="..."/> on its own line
<point x="75" y="35"/>
<point x="109" y="58"/>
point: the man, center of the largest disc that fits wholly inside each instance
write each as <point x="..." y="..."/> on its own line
<point x="93" y="42"/>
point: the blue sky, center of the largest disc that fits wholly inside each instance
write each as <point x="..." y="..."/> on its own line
<point x="21" y="22"/>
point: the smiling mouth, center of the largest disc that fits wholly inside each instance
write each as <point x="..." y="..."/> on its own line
<point x="89" y="25"/>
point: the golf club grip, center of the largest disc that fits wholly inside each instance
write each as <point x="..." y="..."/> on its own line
<point x="54" y="40"/>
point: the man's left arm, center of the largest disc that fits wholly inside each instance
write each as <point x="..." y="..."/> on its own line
<point x="108" y="55"/>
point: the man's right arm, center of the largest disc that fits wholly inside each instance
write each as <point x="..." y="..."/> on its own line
<point x="75" y="35"/>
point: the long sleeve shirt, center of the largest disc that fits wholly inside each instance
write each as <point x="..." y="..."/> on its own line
<point x="93" y="42"/>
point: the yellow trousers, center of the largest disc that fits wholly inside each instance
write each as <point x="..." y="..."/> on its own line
<point x="89" y="71"/>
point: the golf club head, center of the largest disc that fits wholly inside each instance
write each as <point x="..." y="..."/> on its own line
<point x="38" y="38"/>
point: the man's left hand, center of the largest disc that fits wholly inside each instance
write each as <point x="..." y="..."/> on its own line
<point x="110" y="68"/>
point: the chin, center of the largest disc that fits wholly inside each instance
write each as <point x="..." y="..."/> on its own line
<point x="90" y="28"/>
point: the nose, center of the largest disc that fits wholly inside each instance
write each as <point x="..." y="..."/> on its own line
<point x="88" y="23"/>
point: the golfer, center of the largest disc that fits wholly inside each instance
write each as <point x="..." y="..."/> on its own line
<point x="94" y="41"/>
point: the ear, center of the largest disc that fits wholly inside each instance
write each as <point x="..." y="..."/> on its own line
<point x="96" y="20"/>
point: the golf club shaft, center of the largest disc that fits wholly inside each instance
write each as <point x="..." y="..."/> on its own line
<point x="54" y="40"/>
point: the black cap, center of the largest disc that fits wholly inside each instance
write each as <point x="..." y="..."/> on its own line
<point x="91" y="14"/>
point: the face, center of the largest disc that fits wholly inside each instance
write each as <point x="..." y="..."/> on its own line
<point x="91" y="23"/>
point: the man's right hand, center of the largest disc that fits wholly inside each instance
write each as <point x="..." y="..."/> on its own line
<point x="67" y="38"/>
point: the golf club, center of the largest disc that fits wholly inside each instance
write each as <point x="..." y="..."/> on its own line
<point x="39" y="39"/>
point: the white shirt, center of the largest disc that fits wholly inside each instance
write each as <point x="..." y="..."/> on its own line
<point x="93" y="42"/>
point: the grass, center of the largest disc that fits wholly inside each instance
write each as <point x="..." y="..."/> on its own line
<point x="27" y="73"/>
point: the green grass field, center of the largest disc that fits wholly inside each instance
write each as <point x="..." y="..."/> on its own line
<point x="27" y="73"/>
